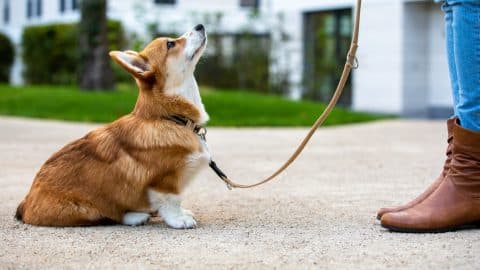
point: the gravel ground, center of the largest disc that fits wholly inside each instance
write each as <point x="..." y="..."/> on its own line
<point x="320" y="214"/>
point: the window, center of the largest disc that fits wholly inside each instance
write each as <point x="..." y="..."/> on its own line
<point x="39" y="8"/>
<point x="6" y="11"/>
<point x="168" y="2"/>
<point x="62" y="6"/>
<point x="70" y="5"/>
<point x="34" y="8"/>
<point x="326" y="43"/>
<point x="250" y="3"/>
<point x="29" y="8"/>
<point x="74" y="4"/>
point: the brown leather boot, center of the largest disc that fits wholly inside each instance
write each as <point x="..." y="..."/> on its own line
<point x="455" y="204"/>
<point x="434" y="185"/>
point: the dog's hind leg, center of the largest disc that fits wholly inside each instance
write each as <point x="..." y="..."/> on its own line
<point x="19" y="213"/>
<point x="53" y="210"/>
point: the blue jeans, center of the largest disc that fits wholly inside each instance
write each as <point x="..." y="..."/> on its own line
<point x="462" y="20"/>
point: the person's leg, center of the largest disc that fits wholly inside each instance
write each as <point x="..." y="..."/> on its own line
<point x="456" y="202"/>
<point x="449" y="39"/>
<point x="450" y="123"/>
<point x="466" y="37"/>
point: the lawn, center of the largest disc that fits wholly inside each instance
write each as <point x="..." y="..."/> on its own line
<point x="226" y="108"/>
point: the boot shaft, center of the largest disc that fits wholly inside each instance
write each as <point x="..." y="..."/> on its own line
<point x="465" y="165"/>
<point x="446" y="165"/>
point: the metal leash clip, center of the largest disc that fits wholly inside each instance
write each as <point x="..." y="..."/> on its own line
<point x="355" y="63"/>
<point x="352" y="61"/>
<point x="202" y="133"/>
<point x="220" y="174"/>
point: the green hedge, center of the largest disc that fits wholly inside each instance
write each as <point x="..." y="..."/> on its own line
<point x="51" y="55"/>
<point x="245" y="67"/>
<point x="7" y="53"/>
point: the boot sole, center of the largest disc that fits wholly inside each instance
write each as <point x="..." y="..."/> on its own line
<point x="470" y="226"/>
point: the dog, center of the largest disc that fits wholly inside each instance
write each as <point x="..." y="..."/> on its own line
<point x="138" y="165"/>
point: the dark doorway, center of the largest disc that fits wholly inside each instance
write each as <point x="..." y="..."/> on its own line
<point x="327" y="37"/>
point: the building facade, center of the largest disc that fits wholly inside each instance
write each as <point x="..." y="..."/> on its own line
<point x="403" y="67"/>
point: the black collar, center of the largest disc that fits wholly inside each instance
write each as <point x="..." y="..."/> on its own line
<point x="200" y="130"/>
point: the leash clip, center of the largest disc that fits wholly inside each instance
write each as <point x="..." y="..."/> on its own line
<point x="355" y="63"/>
<point x="220" y="174"/>
<point x="352" y="61"/>
<point x="229" y="187"/>
<point x="202" y="133"/>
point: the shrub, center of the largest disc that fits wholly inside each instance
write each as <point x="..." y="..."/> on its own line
<point x="7" y="53"/>
<point x="245" y="67"/>
<point x="51" y="55"/>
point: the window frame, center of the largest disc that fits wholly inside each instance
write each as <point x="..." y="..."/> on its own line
<point x="34" y="9"/>
<point x="75" y="5"/>
<point x="29" y="9"/>
<point x="165" y="2"/>
<point x="6" y="11"/>
<point x="39" y="8"/>
<point x="62" y="6"/>
<point x="249" y="4"/>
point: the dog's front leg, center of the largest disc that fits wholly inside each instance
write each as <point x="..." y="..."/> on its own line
<point x="169" y="208"/>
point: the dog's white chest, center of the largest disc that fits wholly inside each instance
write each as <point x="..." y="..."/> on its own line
<point x="199" y="159"/>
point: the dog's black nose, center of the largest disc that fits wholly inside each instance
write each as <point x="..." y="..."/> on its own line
<point x="199" y="28"/>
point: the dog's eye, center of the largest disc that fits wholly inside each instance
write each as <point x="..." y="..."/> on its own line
<point x="170" y="44"/>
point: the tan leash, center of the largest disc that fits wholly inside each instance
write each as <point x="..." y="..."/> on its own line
<point x="351" y="62"/>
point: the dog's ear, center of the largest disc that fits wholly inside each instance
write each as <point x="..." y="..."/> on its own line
<point x="133" y="62"/>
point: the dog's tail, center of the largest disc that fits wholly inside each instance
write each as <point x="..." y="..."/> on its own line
<point x="19" y="213"/>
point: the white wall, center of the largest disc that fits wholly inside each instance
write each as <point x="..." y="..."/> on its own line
<point x="378" y="83"/>
<point x="426" y="80"/>
<point x="415" y="54"/>
<point x="14" y="30"/>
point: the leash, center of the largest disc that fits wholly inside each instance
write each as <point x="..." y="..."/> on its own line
<point x="351" y="63"/>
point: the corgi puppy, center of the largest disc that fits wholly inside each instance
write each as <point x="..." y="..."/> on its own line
<point x="138" y="165"/>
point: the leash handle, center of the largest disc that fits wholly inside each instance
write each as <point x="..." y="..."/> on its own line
<point x="351" y="63"/>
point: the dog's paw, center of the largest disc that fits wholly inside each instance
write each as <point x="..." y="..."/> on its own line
<point x="135" y="218"/>
<point x="185" y="220"/>
<point x="187" y="212"/>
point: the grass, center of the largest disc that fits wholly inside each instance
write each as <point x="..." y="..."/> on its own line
<point x="226" y="108"/>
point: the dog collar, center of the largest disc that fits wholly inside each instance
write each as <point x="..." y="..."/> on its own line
<point x="200" y="130"/>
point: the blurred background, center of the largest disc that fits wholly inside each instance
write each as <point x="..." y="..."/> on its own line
<point x="283" y="56"/>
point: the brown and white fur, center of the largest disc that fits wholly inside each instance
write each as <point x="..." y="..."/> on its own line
<point x="139" y="164"/>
